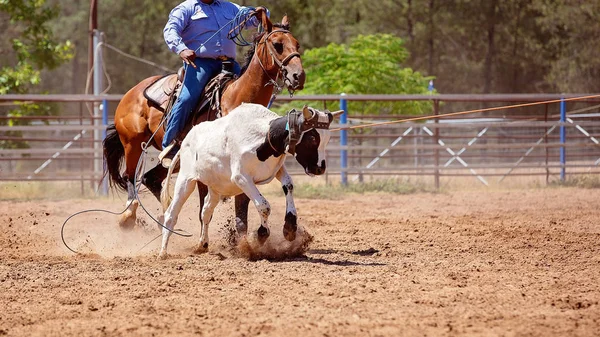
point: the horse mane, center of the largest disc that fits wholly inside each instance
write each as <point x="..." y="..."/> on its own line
<point x="250" y="53"/>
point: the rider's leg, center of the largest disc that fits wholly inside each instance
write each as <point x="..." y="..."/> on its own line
<point x="194" y="82"/>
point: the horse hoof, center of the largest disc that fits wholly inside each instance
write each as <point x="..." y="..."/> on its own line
<point x="127" y="221"/>
<point x="162" y="256"/>
<point x="201" y="248"/>
<point x="263" y="234"/>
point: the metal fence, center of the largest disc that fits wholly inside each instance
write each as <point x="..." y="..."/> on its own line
<point x="551" y="141"/>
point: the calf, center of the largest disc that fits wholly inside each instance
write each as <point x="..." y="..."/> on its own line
<point x="233" y="154"/>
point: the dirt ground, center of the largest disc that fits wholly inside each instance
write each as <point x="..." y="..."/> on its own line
<point x="470" y="263"/>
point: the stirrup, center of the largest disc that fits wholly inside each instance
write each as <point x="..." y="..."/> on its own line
<point x="163" y="156"/>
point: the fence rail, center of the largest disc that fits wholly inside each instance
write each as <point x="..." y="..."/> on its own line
<point x="551" y="140"/>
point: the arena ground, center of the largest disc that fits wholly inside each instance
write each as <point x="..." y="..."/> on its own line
<point x="468" y="263"/>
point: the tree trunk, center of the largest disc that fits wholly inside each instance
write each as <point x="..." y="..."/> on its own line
<point x="515" y="52"/>
<point x="491" y="48"/>
<point x="409" y="21"/>
<point x="430" y="41"/>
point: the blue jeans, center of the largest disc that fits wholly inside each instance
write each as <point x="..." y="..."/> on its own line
<point x="193" y="84"/>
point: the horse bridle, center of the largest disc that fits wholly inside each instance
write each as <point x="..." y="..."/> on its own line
<point x="281" y="64"/>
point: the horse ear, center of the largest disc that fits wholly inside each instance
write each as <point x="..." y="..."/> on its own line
<point x="285" y="23"/>
<point x="306" y="113"/>
<point x="266" y="23"/>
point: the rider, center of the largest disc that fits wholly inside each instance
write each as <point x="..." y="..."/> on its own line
<point x="197" y="31"/>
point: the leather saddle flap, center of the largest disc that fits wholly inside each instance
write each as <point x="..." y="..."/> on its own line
<point x="159" y="92"/>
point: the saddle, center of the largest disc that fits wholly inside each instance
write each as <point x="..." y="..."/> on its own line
<point x="163" y="92"/>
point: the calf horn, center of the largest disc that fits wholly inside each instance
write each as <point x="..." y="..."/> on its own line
<point x="336" y="113"/>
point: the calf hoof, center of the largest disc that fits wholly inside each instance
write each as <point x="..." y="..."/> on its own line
<point x="290" y="227"/>
<point x="289" y="234"/>
<point x="162" y="256"/>
<point x="263" y="234"/>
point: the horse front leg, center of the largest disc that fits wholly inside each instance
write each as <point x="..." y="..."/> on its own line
<point x="241" y="214"/>
<point x="153" y="180"/>
<point x="246" y="184"/>
<point x="291" y="217"/>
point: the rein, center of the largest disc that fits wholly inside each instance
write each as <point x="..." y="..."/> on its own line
<point x="282" y="65"/>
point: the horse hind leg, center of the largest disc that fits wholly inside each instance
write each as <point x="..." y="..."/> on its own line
<point x="128" y="218"/>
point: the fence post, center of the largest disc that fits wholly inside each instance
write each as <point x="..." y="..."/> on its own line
<point x="344" y="140"/>
<point x="104" y="183"/>
<point x="563" y="139"/>
<point x="98" y="109"/>
<point x="436" y="111"/>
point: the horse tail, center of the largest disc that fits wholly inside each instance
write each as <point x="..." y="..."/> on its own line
<point x="165" y="197"/>
<point x="113" y="152"/>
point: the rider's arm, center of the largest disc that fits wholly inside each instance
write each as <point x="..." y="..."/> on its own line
<point x="178" y="20"/>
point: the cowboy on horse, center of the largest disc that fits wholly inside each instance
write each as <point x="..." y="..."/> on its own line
<point x="195" y="32"/>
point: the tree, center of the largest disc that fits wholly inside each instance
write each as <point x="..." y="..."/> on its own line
<point x="368" y="64"/>
<point x="33" y="45"/>
<point x="34" y="49"/>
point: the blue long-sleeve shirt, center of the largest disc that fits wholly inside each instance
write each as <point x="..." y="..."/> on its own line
<point x="192" y="23"/>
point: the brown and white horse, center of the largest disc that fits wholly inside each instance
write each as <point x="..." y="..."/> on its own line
<point x="136" y="119"/>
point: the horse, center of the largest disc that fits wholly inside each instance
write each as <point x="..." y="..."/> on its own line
<point x="274" y="55"/>
<point x="233" y="154"/>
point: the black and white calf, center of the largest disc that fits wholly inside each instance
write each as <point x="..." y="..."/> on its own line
<point x="233" y="154"/>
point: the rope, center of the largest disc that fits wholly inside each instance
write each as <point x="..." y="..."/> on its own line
<point x="462" y="113"/>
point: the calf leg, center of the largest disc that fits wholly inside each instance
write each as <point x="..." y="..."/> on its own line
<point x="183" y="188"/>
<point x="291" y="225"/>
<point x="246" y="184"/>
<point x="211" y="201"/>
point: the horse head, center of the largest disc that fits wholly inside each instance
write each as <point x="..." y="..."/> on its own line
<point x="309" y="136"/>
<point x="278" y="53"/>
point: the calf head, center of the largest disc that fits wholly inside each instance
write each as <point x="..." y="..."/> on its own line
<point x="308" y="137"/>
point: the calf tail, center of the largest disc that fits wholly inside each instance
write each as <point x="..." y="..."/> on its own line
<point x="165" y="197"/>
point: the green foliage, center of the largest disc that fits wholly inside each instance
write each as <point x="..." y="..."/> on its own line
<point x="368" y="64"/>
<point x="34" y="49"/>
<point x="33" y="45"/>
